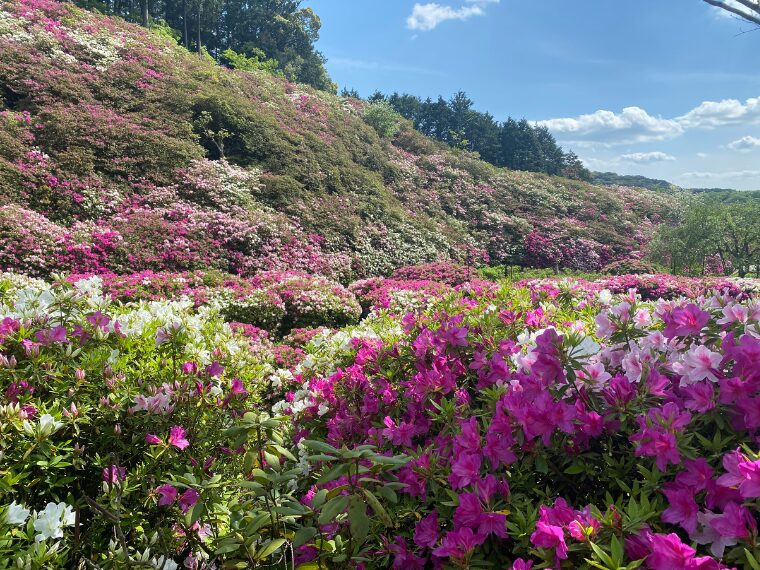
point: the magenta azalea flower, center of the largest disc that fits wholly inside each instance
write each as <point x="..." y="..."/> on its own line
<point x="168" y="494"/>
<point x="683" y="508"/>
<point x="669" y="553"/>
<point x="457" y="544"/>
<point x="114" y="474"/>
<point x="550" y="536"/>
<point x="685" y="321"/>
<point x="465" y="470"/>
<point x="188" y="499"/>
<point x="178" y="437"/>
<point x="427" y="531"/>
<point x="151" y="439"/>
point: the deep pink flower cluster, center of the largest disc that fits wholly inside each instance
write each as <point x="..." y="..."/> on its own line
<point x="469" y="401"/>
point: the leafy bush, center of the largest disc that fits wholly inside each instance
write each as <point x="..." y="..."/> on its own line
<point x="555" y="425"/>
<point x="312" y="301"/>
<point x="263" y="309"/>
<point x="383" y="118"/>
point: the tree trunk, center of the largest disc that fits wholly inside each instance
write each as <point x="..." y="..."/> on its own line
<point x="185" y="37"/>
<point x="145" y="13"/>
<point x="200" y="6"/>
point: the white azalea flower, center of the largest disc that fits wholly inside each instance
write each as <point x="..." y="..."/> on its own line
<point x="605" y="296"/>
<point x="49" y="425"/>
<point x="50" y="522"/>
<point x="16" y="514"/>
<point x="585" y="349"/>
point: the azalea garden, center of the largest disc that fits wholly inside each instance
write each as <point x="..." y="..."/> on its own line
<point x="248" y="323"/>
<point x="176" y="420"/>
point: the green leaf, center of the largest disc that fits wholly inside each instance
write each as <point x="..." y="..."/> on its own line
<point x="227" y="548"/>
<point x="304" y="535"/>
<point x="752" y="560"/>
<point x="320" y="446"/>
<point x="603" y="556"/>
<point x="378" y="508"/>
<point x="334" y="473"/>
<point x="332" y="508"/>
<point x="269" y="548"/>
<point x="388" y="494"/>
<point x="358" y="520"/>
<point x="616" y="547"/>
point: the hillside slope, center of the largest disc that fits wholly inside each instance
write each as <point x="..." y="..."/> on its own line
<point x="111" y="147"/>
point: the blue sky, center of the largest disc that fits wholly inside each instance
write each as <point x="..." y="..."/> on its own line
<point x="664" y="88"/>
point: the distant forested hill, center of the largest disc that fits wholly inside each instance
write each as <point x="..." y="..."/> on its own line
<point x="611" y="178"/>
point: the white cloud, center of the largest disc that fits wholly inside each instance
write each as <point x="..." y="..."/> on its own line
<point x="712" y="114"/>
<point x="636" y="125"/>
<point x="426" y="17"/>
<point x="730" y="174"/>
<point x="646" y="157"/>
<point x="745" y="144"/>
<point x="702" y="155"/>
<point x="632" y="125"/>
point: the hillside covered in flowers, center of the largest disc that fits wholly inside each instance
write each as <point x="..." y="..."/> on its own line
<point x="121" y="151"/>
<point x="242" y="326"/>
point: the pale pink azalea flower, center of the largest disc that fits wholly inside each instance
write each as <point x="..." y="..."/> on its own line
<point x="642" y="319"/>
<point x="707" y="534"/>
<point x="634" y="363"/>
<point x="700" y="363"/>
<point x="753" y="310"/>
<point x="622" y="311"/>
<point x="596" y="375"/>
<point x="655" y="340"/>
<point x="604" y="326"/>
<point x="734" y="313"/>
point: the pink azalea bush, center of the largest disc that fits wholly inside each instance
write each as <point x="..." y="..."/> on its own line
<point x="617" y="430"/>
<point x="441" y="272"/>
<point x="272" y="300"/>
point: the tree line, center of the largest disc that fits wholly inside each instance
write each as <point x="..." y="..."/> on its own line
<point x="271" y="34"/>
<point x="515" y="144"/>
<point x="715" y="234"/>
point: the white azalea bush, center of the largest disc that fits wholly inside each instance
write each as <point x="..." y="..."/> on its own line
<point x="115" y="441"/>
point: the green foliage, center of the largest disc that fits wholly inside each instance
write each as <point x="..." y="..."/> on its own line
<point x="262" y="35"/>
<point x="629" y="267"/>
<point x="254" y="62"/>
<point x="164" y="30"/>
<point x="712" y="236"/>
<point x="381" y="117"/>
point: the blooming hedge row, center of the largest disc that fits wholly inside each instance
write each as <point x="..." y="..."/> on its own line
<point x="275" y="301"/>
<point x="493" y="425"/>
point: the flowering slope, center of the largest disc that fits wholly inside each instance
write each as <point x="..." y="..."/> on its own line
<point x="120" y="151"/>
